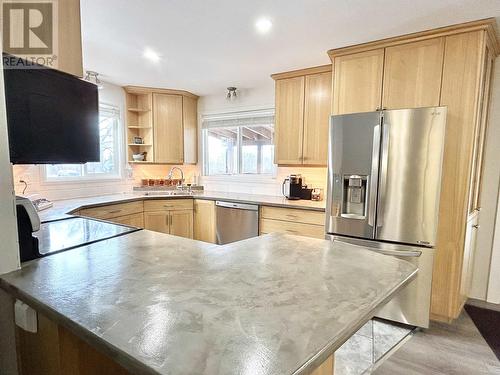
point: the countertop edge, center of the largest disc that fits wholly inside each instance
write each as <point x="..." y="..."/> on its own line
<point x="139" y="368"/>
<point x="313" y="362"/>
<point x="128" y="362"/>
<point x="211" y="197"/>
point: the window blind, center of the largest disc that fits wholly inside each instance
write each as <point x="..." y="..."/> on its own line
<point x="234" y="119"/>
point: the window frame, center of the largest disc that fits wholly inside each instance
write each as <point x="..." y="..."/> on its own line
<point x="239" y="145"/>
<point x="86" y="177"/>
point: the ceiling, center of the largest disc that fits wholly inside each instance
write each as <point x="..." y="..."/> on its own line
<point x="207" y="45"/>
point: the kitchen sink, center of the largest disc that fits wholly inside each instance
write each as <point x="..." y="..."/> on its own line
<point x="169" y="193"/>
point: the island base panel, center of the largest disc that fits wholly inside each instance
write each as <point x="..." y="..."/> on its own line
<point x="54" y="350"/>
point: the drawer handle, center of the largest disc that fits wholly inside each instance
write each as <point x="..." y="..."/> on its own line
<point x="167" y="206"/>
<point x="115" y="211"/>
<point x="291" y="216"/>
<point x="291" y="231"/>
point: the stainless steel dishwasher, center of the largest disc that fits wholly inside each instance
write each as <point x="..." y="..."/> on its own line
<point x="236" y="221"/>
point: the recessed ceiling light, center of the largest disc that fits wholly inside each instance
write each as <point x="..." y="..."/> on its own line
<point x="151" y="55"/>
<point x="263" y="25"/>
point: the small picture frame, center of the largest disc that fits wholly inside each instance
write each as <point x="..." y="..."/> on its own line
<point x="138" y="140"/>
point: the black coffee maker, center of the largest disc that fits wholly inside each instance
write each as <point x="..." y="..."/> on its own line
<point x="292" y="187"/>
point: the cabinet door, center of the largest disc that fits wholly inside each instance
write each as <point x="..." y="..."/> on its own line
<point x="481" y="128"/>
<point x="204" y="221"/>
<point x="190" y="117"/>
<point x="289" y="127"/>
<point x="460" y="93"/>
<point x="357" y="82"/>
<point x="168" y="129"/>
<point x="412" y="74"/>
<point x="134" y="220"/>
<point x="157" y="221"/>
<point x="468" y="259"/>
<point x="318" y="88"/>
<point x="181" y="223"/>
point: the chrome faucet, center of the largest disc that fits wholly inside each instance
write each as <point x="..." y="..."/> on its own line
<point x="172" y="171"/>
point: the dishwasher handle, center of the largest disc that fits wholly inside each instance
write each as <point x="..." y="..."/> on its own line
<point x="239" y="206"/>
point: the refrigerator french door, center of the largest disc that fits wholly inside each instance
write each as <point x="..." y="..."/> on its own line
<point x="384" y="175"/>
<point x="384" y="182"/>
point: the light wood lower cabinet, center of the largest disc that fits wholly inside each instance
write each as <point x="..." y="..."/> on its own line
<point x="54" y="350"/>
<point x="178" y="223"/>
<point x="172" y="216"/>
<point x="196" y="218"/>
<point x="134" y="220"/>
<point x="157" y="221"/>
<point x="290" y="227"/>
<point x="113" y="210"/>
<point x="181" y="223"/>
<point x="204" y="221"/>
<point x="292" y="221"/>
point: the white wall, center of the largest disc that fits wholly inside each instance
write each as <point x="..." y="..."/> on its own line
<point x="9" y="249"/>
<point x="249" y="99"/>
<point x="486" y="248"/>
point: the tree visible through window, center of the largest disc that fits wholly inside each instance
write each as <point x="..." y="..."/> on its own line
<point x="109" y="164"/>
<point x="239" y="146"/>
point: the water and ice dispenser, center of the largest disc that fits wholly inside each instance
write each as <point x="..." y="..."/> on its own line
<point x="354" y="199"/>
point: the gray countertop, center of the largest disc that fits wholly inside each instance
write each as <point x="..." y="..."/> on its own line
<point x="63" y="207"/>
<point x="160" y="304"/>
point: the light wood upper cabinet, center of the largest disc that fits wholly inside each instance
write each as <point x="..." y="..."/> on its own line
<point x="318" y="88"/>
<point x="204" y="221"/>
<point x="412" y="74"/>
<point x="289" y="120"/>
<point x="168" y="129"/>
<point x="181" y="223"/>
<point x="479" y="140"/>
<point x="190" y="123"/>
<point x="303" y="109"/>
<point x="167" y="122"/>
<point x="358" y="82"/>
<point x="460" y="93"/>
<point x="452" y="67"/>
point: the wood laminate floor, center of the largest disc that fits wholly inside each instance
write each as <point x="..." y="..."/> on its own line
<point x="456" y="349"/>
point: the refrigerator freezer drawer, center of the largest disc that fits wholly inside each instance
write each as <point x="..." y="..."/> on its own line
<point x="412" y="304"/>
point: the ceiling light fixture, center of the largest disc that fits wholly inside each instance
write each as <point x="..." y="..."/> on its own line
<point x="93" y="77"/>
<point x="263" y="25"/>
<point x="151" y="55"/>
<point x="231" y="93"/>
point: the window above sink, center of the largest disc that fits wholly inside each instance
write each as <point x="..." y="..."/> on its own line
<point x="239" y="143"/>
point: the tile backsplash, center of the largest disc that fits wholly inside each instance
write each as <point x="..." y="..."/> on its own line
<point x="252" y="184"/>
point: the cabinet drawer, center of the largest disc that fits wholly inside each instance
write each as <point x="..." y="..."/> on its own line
<point x="298" y="229"/>
<point x="134" y="220"/>
<point x="112" y="211"/>
<point x="168" y="205"/>
<point x="292" y="214"/>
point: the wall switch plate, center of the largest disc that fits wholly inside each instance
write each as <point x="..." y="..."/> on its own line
<point x="25" y="317"/>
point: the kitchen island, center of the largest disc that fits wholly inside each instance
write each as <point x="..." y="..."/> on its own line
<point x="161" y="304"/>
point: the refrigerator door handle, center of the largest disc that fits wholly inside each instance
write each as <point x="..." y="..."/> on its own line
<point x="399" y="253"/>
<point x="374" y="176"/>
<point x="383" y="173"/>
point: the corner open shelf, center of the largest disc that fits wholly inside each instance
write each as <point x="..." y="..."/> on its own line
<point x="140" y="125"/>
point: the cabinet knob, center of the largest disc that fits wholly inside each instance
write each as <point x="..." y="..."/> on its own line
<point x="476" y="226"/>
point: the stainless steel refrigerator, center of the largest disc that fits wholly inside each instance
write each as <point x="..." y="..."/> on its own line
<point x="384" y="183"/>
